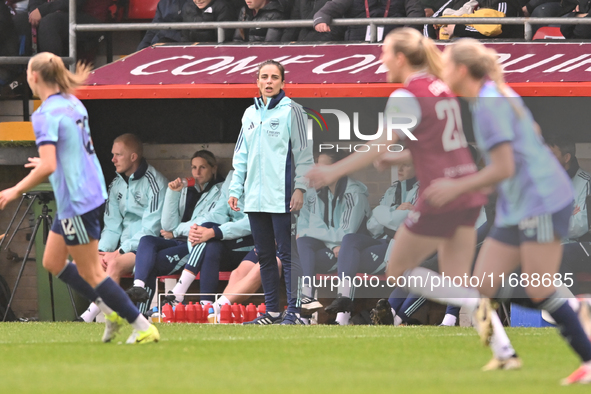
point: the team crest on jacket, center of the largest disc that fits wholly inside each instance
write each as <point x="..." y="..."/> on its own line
<point x="274" y="123"/>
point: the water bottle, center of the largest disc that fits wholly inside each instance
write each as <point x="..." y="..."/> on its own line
<point x="191" y="313"/>
<point x="167" y="313"/>
<point x="179" y="314"/>
<point x="226" y="314"/>
<point x="236" y="314"/>
<point x="188" y="182"/>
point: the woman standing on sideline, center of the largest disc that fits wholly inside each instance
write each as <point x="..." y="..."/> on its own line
<point x="270" y="159"/>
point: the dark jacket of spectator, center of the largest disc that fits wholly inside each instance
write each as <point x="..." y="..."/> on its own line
<point x="46" y="7"/>
<point x="216" y="11"/>
<point x="273" y="11"/>
<point x="306" y="9"/>
<point x="167" y="11"/>
<point x="356" y="9"/>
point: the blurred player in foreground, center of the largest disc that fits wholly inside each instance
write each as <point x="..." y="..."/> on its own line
<point x="67" y="156"/>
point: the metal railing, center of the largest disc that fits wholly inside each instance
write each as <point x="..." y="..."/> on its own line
<point x="373" y="24"/>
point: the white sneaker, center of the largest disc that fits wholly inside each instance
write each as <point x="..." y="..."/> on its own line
<point x="113" y="324"/>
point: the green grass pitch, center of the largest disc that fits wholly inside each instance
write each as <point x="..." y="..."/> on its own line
<point x="69" y="358"/>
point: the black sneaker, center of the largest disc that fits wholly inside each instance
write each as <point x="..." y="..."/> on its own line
<point x="265" y="320"/>
<point x="340" y="304"/>
<point x="310" y="305"/>
<point x="169" y="298"/>
<point x="382" y="313"/>
<point x="138" y="294"/>
<point x="290" y="319"/>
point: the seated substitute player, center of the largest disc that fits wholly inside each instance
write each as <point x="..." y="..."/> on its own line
<point x="183" y="207"/>
<point x="133" y="210"/>
<point x="328" y="215"/>
<point x="221" y="240"/>
<point x="577" y="246"/>
<point x="365" y="253"/>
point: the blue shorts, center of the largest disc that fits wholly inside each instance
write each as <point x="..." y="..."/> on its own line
<point x="79" y="230"/>
<point x="542" y="229"/>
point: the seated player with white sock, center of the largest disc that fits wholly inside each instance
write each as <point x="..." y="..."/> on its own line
<point x="220" y="243"/>
<point x="183" y="207"/>
<point x="328" y="217"/>
<point x="365" y="253"/>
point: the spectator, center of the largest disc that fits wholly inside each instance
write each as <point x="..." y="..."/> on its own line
<point x="581" y="10"/>
<point x="8" y="42"/>
<point x="358" y="250"/>
<point x="167" y="11"/>
<point x="51" y="19"/>
<point x="261" y="11"/>
<point x="328" y="215"/>
<point x="220" y="243"/>
<point x="207" y="11"/>
<point x="183" y="207"/>
<point x="490" y="8"/>
<point x="365" y="9"/>
<point x="306" y="9"/>
<point x="132" y="210"/>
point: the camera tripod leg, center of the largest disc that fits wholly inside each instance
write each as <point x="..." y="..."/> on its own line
<point x="22" y="219"/>
<point x="25" y="257"/>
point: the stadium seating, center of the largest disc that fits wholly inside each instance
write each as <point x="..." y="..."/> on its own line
<point x="142" y="9"/>
<point x="548" y="32"/>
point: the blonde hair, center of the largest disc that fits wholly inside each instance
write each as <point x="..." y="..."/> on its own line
<point x="52" y="71"/>
<point x="482" y="62"/>
<point x="419" y="50"/>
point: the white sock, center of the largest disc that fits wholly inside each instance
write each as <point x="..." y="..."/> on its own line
<point x="343" y="318"/>
<point x="139" y="283"/>
<point x="345" y="289"/>
<point x="91" y="313"/>
<point x="397" y="320"/>
<point x="436" y="290"/>
<point x="449" y="320"/>
<point x="500" y="343"/>
<point x="307" y="291"/>
<point x="141" y="323"/>
<point x="180" y="289"/>
<point x="223" y="301"/>
<point x="103" y="307"/>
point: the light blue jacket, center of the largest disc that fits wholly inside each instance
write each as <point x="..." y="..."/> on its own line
<point x="272" y="140"/>
<point x="350" y="209"/>
<point x="174" y="208"/>
<point x="231" y="224"/>
<point x="578" y="225"/>
<point x="386" y="215"/>
<point x="133" y="209"/>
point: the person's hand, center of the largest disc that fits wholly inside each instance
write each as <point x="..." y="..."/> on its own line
<point x="525" y="12"/>
<point x="108" y="258"/>
<point x="176" y="185"/>
<point x="233" y="202"/>
<point x="441" y="191"/>
<point x="33" y="162"/>
<point x="581" y="15"/>
<point x="199" y="235"/>
<point x="405" y="206"/>
<point x="321" y="176"/>
<point x="429" y="12"/>
<point x="35" y="17"/>
<point x="7" y="196"/>
<point x="166" y="234"/>
<point x="576" y="210"/>
<point x="449" y="30"/>
<point x="336" y="251"/>
<point x="322" y="28"/>
<point x="192" y="237"/>
<point x="297" y="201"/>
